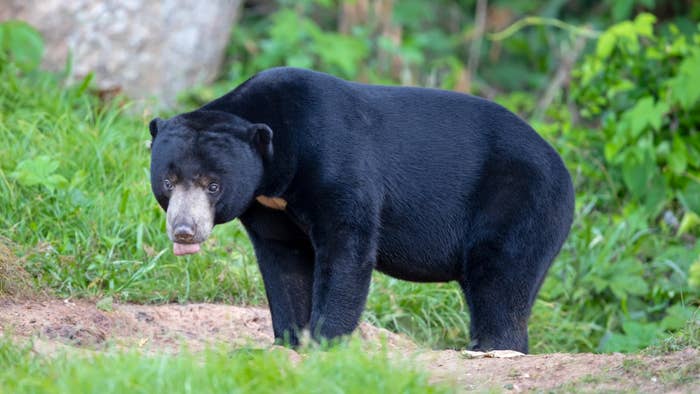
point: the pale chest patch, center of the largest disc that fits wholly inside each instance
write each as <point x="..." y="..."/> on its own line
<point x="272" y="202"/>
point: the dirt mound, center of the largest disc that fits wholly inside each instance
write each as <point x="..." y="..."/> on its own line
<point x="80" y="323"/>
<point x="582" y="372"/>
<point x="57" y="325"/>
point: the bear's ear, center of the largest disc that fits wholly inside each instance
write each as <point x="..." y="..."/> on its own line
<point x="261" y="137"/>
<point x="154" y="126"/>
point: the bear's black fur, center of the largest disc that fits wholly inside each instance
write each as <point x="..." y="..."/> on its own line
<point x="421" y="184"/>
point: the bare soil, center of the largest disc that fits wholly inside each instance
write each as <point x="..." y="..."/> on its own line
<point x="58" y="325"/>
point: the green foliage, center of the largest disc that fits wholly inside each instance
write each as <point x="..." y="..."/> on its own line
<point x="346" y="368"/>
<point x="694" y="274"/>
<point x="429" y="46"/>
<point x="642" y="85"/>
<point x="620" y="266"/>
<point x="636" y="336"/>
<point x="21" y="45"/>
<point x="645" y="89"/>
<point x="296" y="40"/>
<point x="290" y="37"/>
<point x="616" y="275"/>
<point x="40" y="170"/>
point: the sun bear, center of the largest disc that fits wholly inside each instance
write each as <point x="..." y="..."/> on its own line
<point x="333" y="179"/>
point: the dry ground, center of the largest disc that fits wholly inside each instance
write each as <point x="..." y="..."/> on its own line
<point x="57" y="325"/>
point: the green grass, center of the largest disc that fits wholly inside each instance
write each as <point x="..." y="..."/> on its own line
<point x="434" y="314"/>
<point x="76" y="199"/>
<point x="346" y="368"/>
<point x="686" y="337"/>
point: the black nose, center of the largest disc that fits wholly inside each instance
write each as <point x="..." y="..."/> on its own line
<point x="184" y="233"/>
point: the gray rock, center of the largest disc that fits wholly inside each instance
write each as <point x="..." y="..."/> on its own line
<point x="145" y="48"/>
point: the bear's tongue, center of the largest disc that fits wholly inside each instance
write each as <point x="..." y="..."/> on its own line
<point x="183" y="249"/>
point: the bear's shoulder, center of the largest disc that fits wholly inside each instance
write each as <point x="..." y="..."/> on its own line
<point x="287" y="79"/>
<point x="276" y="74"/>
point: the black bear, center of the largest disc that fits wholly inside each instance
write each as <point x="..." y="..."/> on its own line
<point x="333" y="179"/>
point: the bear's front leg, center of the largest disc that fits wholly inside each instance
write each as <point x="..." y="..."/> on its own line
<point x="287" y="271"/>
<point x="344" y="262"/>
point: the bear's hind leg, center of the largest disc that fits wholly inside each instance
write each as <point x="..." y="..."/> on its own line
<point x="344" y="263"/>
<point x="500" y="288"/>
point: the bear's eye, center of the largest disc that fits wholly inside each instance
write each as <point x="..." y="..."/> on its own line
<point x="213" y="188"/>
<point x="168" y="185"/>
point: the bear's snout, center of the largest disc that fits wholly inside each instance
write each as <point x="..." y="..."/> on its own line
<point x="189" y="219"/>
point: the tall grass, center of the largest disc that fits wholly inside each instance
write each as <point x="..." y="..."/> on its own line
<point x="75" y="196"/>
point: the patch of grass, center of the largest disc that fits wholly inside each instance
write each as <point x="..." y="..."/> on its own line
<point x="592" y="379"/>
<point x="591" y="383"/>
<point x="344" y="368"/>
<point x="670" y="375"/>
<point x="688" y="336"/>
<point x="76" y="201"/>
<point x="685" y="374"/>
<point x="14" y="279"/>
<point x="432" y="314"/>
<point x="632" y="365"/>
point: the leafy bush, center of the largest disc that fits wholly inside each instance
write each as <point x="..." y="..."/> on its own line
<point x="625" y="274"/>
<point x="294" y="39"/>
<point x="619" y="277"/>
<point x="645" y="89"/>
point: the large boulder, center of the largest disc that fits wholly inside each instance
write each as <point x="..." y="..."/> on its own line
<point x="145" y="48"/>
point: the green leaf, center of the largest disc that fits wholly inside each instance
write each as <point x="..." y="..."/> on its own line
<point x="621" y="9"/>
<point x="690" y="196"/>
<point x="644" y="114"/>
<point x="693" y="154"/>
<point x="340" y="51"/>
<point x="677" y="160"/>
<point x="626" y="279"/>
<point x="621" y="86"/>
<point x="644" y="24"/>
<point x="22" y="43"/>
<point x="636" y="337"/>
<point x="614" y="146"/>
<point x="663" y="150"/>
<point x="685" y="86"/>
<point x="39" y="171"/>
<point x="636" y="173"/>
<point x="690" y="220"/>
<point x="694" y="274"/>
<point x="657" y="192"/>
<point x="606" y="44"/>
<point x="300" y="60"/>
<point x="677" y="316"/>
<point x="659" y="112"/>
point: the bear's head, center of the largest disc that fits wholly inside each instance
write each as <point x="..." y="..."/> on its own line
<point x="205" y="169"/>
